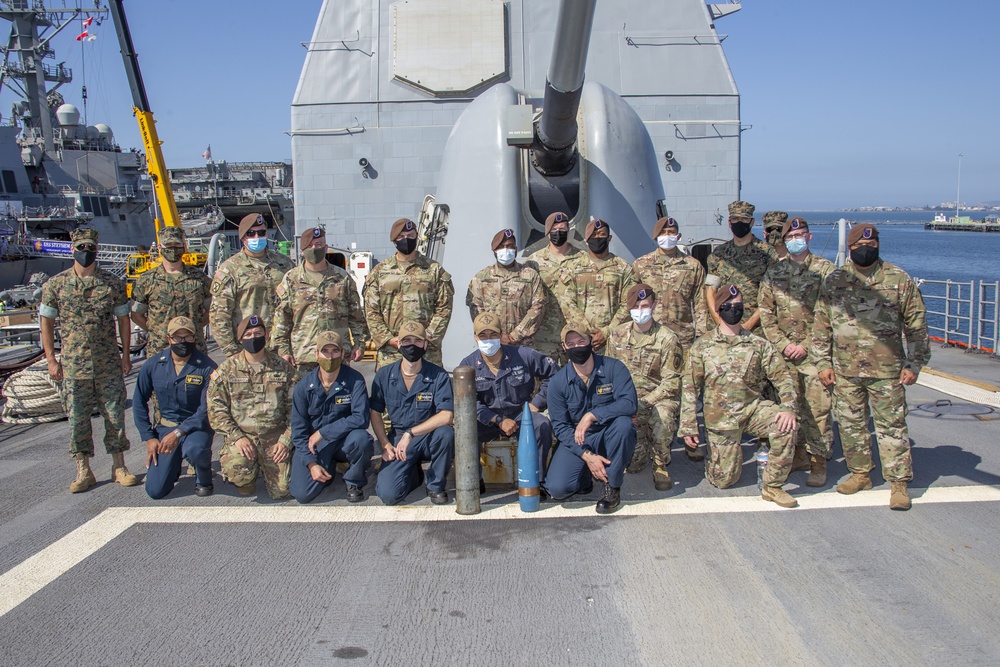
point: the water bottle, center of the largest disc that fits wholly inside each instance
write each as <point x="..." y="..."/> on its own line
<point x="761" y="464"/>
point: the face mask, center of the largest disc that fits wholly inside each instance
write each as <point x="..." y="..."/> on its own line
<point x="796" y="246"/>
<point x="667" y="242"/>
<point x="85" y="257"/>
<point x="256" y="244"/>
<point x="732" y="315"/>
<point x="506" y="256"/>
<point x="580" y="355"/>
<point x="405" y="246"/>
<point x="740" y="229"/>
<point x="182" y="349"/>
<point x="412" y="352"/>
<point x="641" y="315"/>
<point x="489" y="347"/>
<point x="558" y="238"/>
<point x="598" y="246"/>
<point x="253" y="345"/>
<point x="329" y="365"/>
<point x="172" y="254"/>
<point x="864" y="255"/>
<point x="774" y="238"/>
<point x="314" y="255"/>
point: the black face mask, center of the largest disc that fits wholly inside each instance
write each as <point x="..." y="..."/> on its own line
<point x="254" y="345"/>
<point x="580" y="355"/>
<point x="733" y="314"/>
<point x="598" y="246"/>
<point x="864" y="255"/>
<point x="411" y="352"/>
<point x="84" y="257"/>
<point x="183" y="349"/>
<point x="558" y="238"/>
<point x="405" y="246"/>
<point x="740" y="229"/>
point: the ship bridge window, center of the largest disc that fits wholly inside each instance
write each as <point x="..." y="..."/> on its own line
<point x="9" y="181"/>
<point x="96" y="205"/>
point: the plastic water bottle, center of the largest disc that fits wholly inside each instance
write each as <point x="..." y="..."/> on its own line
<point x="761" y="457"/>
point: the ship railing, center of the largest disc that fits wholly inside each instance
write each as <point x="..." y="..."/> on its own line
<point x="962" y="314"/>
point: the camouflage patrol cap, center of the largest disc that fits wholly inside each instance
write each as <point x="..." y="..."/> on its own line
<point x="553" y="218"/>
<point x="793" y="225"/>
<point x="579" y="327"/>
<point x="411" y="328"/>
<point x="859" y="232"/>
<point x="252" y="220"/>
<point x="249" y="322"/>
<point x="178" y="323"/>
<point x="500" y="237"/>
<point x="662" y="225"/>
<point x="329" y="338"/>
<point x="774" y="220"/>
<point x="83" y="235"/>
<point x="486" y="321"/>
<point x="593" y="226"/>
<point x="309" y="235"/>
<point x="726" y="293"/>
<point x="637" y="293"/>
<point x="171" y="234"/>
<point x="741" y="209"/>
<point x="401" y="225"/>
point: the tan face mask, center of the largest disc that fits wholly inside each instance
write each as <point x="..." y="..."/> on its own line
<point x="329" y="365"/>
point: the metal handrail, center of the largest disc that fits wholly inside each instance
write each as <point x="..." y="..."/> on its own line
<point x="957" y="310"/>
<point x="985" y="341"/>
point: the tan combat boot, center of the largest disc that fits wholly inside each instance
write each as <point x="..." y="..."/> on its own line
<point x="778" y="496"/>
<point x="899" y="498"/>
<point x="856" y="482"/>
<point x="84" y="475"/>
<point x="817" y="470"/>
<point x="801" y="460"/>
<point x="661" y="479"/>
<point x="247" y="489"/>
<point x="119" y="473"/>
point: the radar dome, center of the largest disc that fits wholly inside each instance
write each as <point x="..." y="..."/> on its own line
<point x="105" y="131"/>
<point x="93" y="132"/>
<point x="67" y="114"/>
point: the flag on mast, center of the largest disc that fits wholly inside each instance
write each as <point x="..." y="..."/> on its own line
<point x="208" y="153"/>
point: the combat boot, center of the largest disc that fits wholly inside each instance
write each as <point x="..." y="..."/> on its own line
<point x="817" y="470"/>
<point x="801" y="460"/>
<point x="778" y="496"/>
<point x="610" y="500"/>
<point x="119" y="473"/>
<point x="695" y="454"/>
<point x="858" y="481"/>
<point x="661" y="479"/>
<point x="899" y="498"/>
<point x="84" y="475"/>
<point x="247" y="489"/>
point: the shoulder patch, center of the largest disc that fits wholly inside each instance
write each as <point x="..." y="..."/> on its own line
<point x="215" y="375"/>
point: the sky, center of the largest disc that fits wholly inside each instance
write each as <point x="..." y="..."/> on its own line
<point x="849" y="103"/>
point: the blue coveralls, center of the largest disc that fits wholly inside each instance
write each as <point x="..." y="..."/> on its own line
<point x="610" y="396"/>
<point x="181" y="398"/>
<point x="504" y="395"/>
<point x="429" y="394"/>
<point x="340" y="414"/>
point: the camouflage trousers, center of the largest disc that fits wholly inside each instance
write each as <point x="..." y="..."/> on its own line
<point x="83" y="396"/>
<point x="883" y="399"/>
<point x="387" y="354"/>
<point x="815" y="404"/>
<point x="725" y="455"/>
<point x="551" y="347"/>
<point x="656" y="425"/>
<point x="242" y="471"/>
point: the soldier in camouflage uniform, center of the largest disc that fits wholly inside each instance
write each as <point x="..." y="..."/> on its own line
<point x="598" y="283"/>
<point x="864" y="311"/>
<point x="741" y="262"/>
<point x="788" y="296"/>
<point x="315" y="297"/>
<point x="732" y="366"/>
<point x="404" y="287"/>
<point x="173" y="289"/>
<point x="551" y="262"/>
<point x="653" y="355"/>
<point x="250" y="406"/>
<point x="87" y="300"/>
<point x="678" y="281"/>
<point x="246" y="283"/>
<point x="511" y="290"/>
<point x="774" y="223"/>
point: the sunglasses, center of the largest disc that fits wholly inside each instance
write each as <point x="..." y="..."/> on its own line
<point x="728" y="306"/>
<point x="260" y="233"/>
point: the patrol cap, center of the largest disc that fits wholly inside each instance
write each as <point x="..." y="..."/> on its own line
<point x="726" y="293"/>
<point x="775" y="219"/>
<point x="741" y="209"/>
<point x="309" y="235"/>
<point x="486" y="321"/>
<point x="579" y="327"/>
<point x="411" y="328"/>
<point x="178" y="323"/>
<point x="249" y="322"/>
<point x="637" y="293"/>
<point x="172" y="234"/>
<point x="593" y="226"/>
<point x="401" y="225"/>
<point x="252" y="220"/>
<point x="329" y="338"/>
<point x="553" y="218"/>
<point x="859" y="232"/>
<point x="83" y="235"/>
<point x="793" y="225"/>
<point x="500" y="237"/>
<point x="663" y="224"/>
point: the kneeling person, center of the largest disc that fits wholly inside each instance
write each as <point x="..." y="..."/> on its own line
<point x="329" y="422"/>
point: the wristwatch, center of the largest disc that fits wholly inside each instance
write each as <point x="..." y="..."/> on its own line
<point x="409" y="432"/>
<point x="178" y="433"/>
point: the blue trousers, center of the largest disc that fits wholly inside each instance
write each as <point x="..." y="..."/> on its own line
<point x="396" y="479"/>
<point x="543" y="436"/>
<point x="355" y="448"/>
<point x="196" y="447"/>
<point x="614" y="441"/>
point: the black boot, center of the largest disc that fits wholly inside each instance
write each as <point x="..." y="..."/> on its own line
<point x="610" y="500"/>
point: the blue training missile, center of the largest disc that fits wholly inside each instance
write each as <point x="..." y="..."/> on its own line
<point x="527" y="464"/>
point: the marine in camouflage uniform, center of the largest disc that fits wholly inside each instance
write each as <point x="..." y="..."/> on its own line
<point x="787" y="298"/>
<point x="245" y="283"/>
<point x="678" y="281"/>
<point x="250" y="403"/>
<point x="160" y="295"/>
<point x="598" y="283"/>
<point x="732" y="370"/>
<point x="653" y="355"/>
<point x="512" y="291"/>
<point x="407" y="287"/>
<point x="774" y="223"/>
<point x="316" y="297"/>
<point x="865" y="310"/>
<point x="87" y="302"/>
<point x="552" y="262"/>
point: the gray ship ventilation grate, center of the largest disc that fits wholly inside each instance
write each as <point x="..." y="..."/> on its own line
<point x="946" y="408"/>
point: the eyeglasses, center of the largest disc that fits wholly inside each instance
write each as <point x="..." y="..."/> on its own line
<point x="183" y="339"/>
<point x="793" y="235"/>
<point x="260" y="233"/>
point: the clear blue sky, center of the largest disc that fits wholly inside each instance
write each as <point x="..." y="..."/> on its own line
<point x="852" y="103"/>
